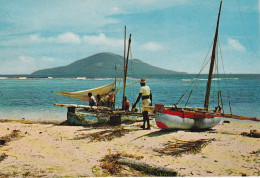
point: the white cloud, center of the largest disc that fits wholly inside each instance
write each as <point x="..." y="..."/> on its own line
<point x="101" y="39"/>
<point x="152" y="46"/>
<point x="79" y="15"/>
<point x="68" y="37"/>
<point x="235" y="45"/>
<point x="117" y="10"/>
<point x="72" y="38"/>
<point x="48" y="59"/>
<point x="27" y="64"/>
<point x="34" y="37"/>
<point x="26" y="59"/>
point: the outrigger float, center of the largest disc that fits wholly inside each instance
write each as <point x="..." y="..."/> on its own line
<point x="82" y="114"/>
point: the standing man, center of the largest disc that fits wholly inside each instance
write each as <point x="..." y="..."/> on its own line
<point x="146" y="94"/>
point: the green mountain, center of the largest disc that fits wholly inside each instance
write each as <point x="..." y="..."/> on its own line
<point x="103" y="65"/>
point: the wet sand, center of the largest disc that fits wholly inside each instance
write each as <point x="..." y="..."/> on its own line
<point x="51" y="150"/>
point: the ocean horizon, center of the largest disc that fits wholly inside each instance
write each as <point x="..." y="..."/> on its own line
<point x="25" y="97"/>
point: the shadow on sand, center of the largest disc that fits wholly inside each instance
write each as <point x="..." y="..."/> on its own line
<point x="157" y="133"/>
<point x="164" y="132"/>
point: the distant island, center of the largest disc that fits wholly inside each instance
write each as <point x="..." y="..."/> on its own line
<point x="103" y="65"/>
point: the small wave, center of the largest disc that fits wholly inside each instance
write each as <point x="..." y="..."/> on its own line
<point x="132" y="78"/>
<point x="102" y="79"/>
<point x="22" y="78"/>
<point x="225" y="79"/>
<point x="3" y="78"/>
<point x="231" y="78"/>
<point x="81" y="78"/>
<point x="85" y="78"/>
<point x="187" y="80"/>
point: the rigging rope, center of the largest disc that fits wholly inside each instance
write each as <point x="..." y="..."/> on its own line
<point x="194" y="82"/>
<point x="220" y="102"/>
<point x="225" y="80"/>
<point x="242" y="22"/>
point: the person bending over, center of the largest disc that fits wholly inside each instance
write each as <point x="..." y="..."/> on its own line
<point x="92" y="100"/>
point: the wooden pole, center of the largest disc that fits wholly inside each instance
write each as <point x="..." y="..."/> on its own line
<point x="124" y="45"/>
<point x="127" y="57"/>
<point x="115" y="86"/>
<point x="213" y="55"/>
<point x="147" y="168"/>
<point x="125" y="72"/>
<point x="124" y="69"/>
<point x="131" y="84"/>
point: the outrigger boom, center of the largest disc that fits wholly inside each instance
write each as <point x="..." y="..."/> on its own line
<point x="100" y="109"/>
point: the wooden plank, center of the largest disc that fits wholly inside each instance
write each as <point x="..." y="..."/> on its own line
<point x="82" y="106"/>
<point x="233" y="116"/>
<point x="148" y="168"/>
<point x="100" y="109"/>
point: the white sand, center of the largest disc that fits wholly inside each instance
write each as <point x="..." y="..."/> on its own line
<point x="48" y="150"/>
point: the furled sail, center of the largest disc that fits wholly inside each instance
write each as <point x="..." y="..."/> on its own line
<point x="83" y="95"/>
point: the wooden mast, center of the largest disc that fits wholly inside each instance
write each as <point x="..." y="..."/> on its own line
<point x="213" y="56"/>
<point x="115" y="85"/>
<point x="123" y="100"/>
<point x="126" y="65"/>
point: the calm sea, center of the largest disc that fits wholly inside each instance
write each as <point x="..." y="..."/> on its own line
<point x="31" y="98"/>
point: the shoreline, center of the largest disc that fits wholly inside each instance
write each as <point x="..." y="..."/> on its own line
<point x="44" y="148"/>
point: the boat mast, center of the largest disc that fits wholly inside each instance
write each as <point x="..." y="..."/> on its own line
<point x="126" y="65"/>
<point x="123" y="100"/>
<point x="115" y="84"/>
<point x="213" y="56"/>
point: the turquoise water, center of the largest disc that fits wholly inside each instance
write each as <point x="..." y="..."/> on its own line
<point x="32" y="98"/>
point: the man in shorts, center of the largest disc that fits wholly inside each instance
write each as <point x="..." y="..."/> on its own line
<point x="146" y="95"/>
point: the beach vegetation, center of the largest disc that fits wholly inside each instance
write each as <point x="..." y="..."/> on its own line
<point x="15" y="134"/>
<point x="3" y="156"/>
<point x="104" y="135"/>
<point x="179" y="147"/>
<point x="23" y="121"/>
<point x="110" y="165"/>
<point x="256" y="152"/>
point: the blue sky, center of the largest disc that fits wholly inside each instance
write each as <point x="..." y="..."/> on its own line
<point x="171" y="34"/>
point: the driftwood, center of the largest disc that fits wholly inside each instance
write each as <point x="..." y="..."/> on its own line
<point x="255" y="133"/>
<point x="252" y="133"/>
<point x="147" y="168"/>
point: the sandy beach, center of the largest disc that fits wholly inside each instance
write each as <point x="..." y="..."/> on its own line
<point x="51" y="150"/>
